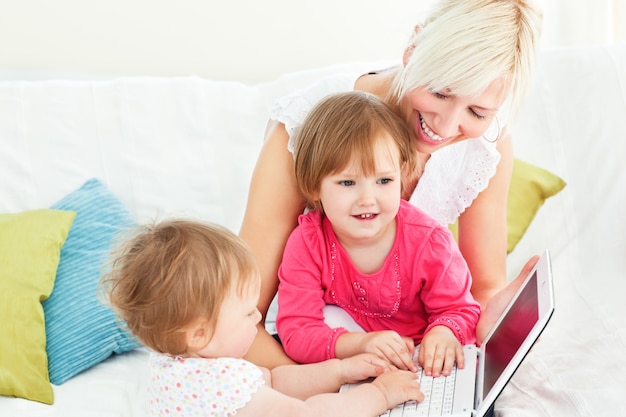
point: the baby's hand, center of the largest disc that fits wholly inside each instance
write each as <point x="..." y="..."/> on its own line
<point x="362" y="366"/>
<point x="399" y="386"/>
<point x="439" y="350"/>
<point x="390" y="345"/>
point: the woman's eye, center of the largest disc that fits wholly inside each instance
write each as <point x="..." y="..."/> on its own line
<point x="439" y="95"/>
<point x="478" y="115"/>
<point x="346" y="183"/>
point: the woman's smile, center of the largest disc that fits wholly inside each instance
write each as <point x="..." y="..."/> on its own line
<point x="429" y="133"/>
<point x="428" y="137"/>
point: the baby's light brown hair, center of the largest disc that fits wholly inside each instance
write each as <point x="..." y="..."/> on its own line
<point x="341" y="127"/>
<point x="171" y="273"/>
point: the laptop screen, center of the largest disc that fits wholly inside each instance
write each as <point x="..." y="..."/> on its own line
<point x="511" y="333"/>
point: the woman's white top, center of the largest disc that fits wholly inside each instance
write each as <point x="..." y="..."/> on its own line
<point x="453" y="176"/>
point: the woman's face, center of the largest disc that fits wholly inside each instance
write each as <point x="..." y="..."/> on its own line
<point x="440" y="118"/>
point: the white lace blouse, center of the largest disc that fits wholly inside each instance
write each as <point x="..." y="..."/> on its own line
<point x="453" y="176"/>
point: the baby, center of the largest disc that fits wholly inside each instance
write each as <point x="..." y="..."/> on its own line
<point x="189" y="291"/>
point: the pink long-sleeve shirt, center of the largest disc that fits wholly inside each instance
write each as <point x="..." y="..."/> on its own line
<point x="424" y="282"/>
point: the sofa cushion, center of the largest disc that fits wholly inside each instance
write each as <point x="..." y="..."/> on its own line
<point x="81" y="330"/>
<point x="30" y="246"/>
<point x="530" y="187"/>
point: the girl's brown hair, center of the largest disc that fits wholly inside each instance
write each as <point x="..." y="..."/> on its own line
<point x="172" y="273"/>
<point x="341" y="127"/>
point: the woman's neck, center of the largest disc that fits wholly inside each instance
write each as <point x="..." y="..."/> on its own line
<point x="410" y="179"/>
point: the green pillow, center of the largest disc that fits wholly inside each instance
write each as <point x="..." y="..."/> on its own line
<point x="530" y="187"/>
<point x="30" y="247"/>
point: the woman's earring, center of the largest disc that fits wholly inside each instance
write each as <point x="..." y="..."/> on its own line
<point x="497" y="132"/>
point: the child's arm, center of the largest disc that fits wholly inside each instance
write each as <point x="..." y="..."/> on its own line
<point x="452" y="311"/>
<point x="304" y="334"/>
<point x="303" y="381"/>
<point x="369" y="399"/>
<point x="398" y="350"/>
<point x="439" y="350"/>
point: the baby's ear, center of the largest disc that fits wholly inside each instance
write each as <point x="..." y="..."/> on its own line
<point x="198" y="335"/>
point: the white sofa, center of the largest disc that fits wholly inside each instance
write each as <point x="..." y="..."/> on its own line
<point x="187" y="147"/>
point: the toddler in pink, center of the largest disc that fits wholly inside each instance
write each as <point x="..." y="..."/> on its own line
<point x="393" y="269"/>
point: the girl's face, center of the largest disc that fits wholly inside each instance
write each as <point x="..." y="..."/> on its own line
<point x="235" y="329"/>
<point x="439" y="118"/>
<point x="362" y="208"/>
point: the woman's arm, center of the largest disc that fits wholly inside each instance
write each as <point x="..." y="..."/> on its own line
<point x="274" y="204"/>
<point x="483" y="231"/>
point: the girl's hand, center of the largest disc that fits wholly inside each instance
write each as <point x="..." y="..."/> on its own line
<point x="399" y="386"/>
<point x="439" y="350"/>
<point x="362" y="366"/>
<point x="389" y="345"/>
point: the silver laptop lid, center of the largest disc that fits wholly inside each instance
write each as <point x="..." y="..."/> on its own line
<point x="512" y="337"/>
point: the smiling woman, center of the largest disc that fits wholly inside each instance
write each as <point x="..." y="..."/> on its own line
<point x="452" y="82"/>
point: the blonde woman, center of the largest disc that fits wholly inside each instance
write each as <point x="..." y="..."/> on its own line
<point x="464" y="73"/>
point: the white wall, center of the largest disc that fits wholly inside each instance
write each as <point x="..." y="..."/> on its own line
<point x="245" y="40"/>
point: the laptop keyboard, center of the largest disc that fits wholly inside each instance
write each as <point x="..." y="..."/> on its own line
<point x="438" y="396"/>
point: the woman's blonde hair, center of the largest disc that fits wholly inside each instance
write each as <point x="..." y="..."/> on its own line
<point x="169" y="274"/>
<point x="341" y="127"/>
<point x="465" y="44"/>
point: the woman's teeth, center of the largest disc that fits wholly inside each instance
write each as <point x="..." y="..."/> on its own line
<point x="432" y="135"/>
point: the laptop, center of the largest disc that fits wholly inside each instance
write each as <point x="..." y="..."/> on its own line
<point x="473" y="390"/>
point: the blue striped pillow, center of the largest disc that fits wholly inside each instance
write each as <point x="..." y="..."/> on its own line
<point x="81" y="331"/>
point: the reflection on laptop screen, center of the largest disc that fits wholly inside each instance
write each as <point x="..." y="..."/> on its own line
<point x="510" y="334"/>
